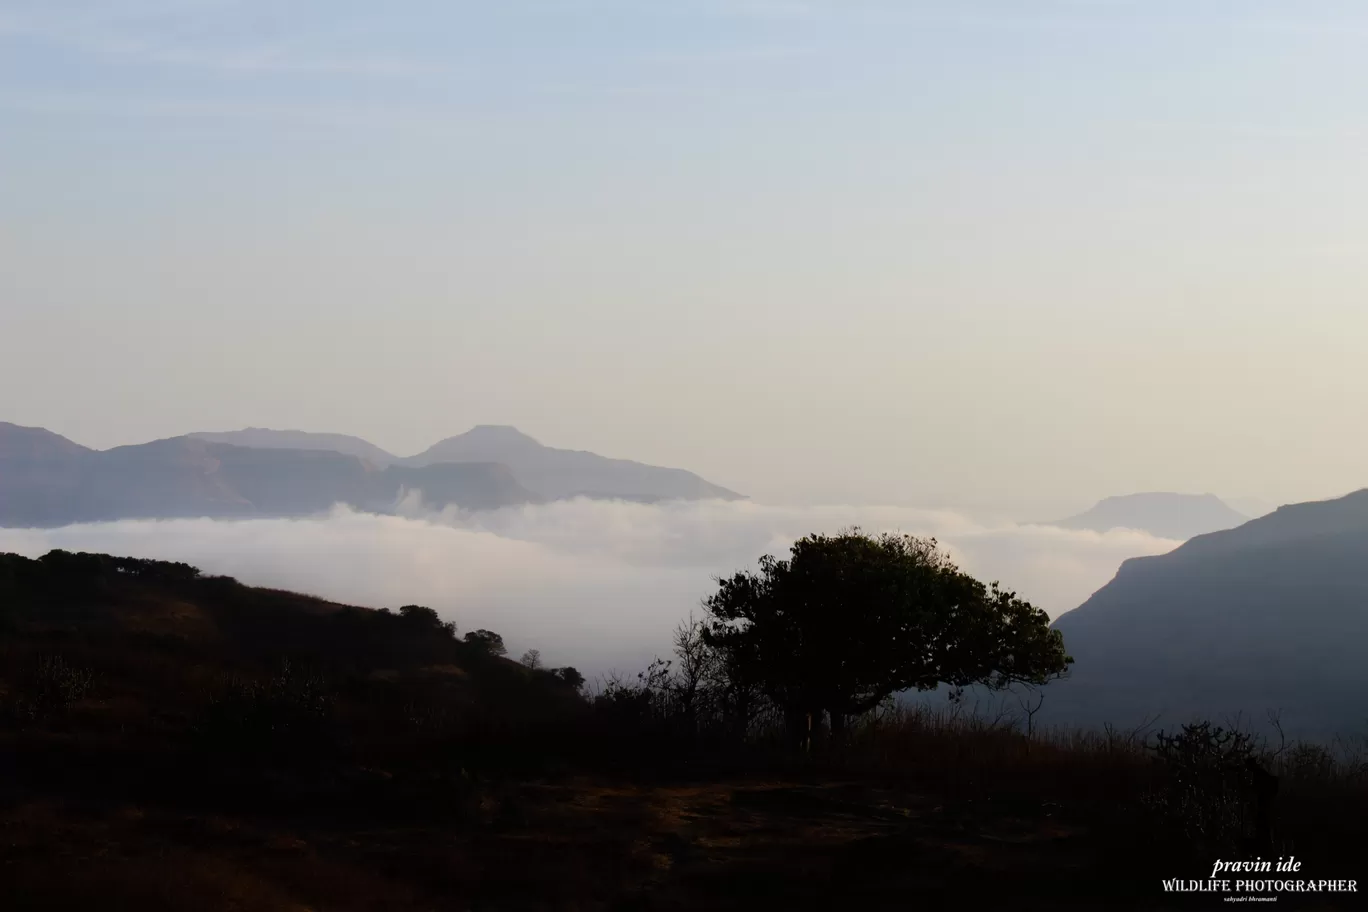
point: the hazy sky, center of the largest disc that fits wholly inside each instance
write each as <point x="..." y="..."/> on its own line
<point x="1023" y="252"/>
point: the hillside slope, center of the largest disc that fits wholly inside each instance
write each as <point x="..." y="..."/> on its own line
<point x="1272" y="615"/>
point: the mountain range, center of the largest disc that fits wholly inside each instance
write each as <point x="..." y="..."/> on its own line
<point x="1272" y="615"/>
<point x="1162" y="514"/>
<point x="47" y="480"/>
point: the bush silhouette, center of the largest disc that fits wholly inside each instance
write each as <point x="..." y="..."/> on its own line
<point x="1214" y="794"/>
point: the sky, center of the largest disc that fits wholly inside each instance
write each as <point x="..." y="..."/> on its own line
<point x="1019" y="254"/>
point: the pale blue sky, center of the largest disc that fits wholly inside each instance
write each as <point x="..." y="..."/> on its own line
<point x="1024" y="253"/>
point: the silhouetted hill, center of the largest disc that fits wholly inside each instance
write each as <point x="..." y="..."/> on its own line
<point x="46" y="480"/>
<point x="1176" y="516"/>
<point x="558" y="474"/>
<point x="267" y="439"/>
<point x="231" y="667"/>
<point x="98" y="600"/>
<point x="1270" y="615"/>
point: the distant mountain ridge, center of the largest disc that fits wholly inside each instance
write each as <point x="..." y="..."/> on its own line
<point x="267" y="439"/>
<point x="1162" y="514"/>
<point x="558" y="474"/>
<point x="1272" y="615"/>
<point x="47" y="480"/>
<point x="552" y="473"/>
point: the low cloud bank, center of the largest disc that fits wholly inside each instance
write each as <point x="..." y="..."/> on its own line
<point x="599" y="585"/>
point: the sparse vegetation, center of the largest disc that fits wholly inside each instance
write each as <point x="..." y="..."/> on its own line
<point x="287" y="718"/>
<point x="48" y="687"/>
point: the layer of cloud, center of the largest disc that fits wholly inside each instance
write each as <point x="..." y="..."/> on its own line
<point x="595" y="584"/>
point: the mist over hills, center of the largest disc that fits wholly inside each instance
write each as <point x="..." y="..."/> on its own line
<point x="1167" y="515"/>
<point x="47" y="480"/>
<point x="1272" y="615"/>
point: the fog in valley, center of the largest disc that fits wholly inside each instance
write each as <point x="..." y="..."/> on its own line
<point x="595" y="584"/>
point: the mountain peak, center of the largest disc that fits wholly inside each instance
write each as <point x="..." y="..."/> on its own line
<point x="505" y="434"/>
<point x="555" y="473"/>
<point x="16" y="438"/>
<point x="1166" y="514"/>
<point x="1155" y="497"/>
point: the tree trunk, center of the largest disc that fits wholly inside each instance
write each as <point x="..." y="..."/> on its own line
<point x="838" y="726"/>
<point x="796" y="727"/>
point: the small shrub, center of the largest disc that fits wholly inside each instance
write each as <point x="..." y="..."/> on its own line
<point x="1206" y="794"/>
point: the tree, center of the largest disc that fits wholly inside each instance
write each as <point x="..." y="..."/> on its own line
<point x="486" y="642"/>
<point x="532" y="659"/>
<point x="849" y="619"/>
<point x="423" y="618"/>
<point x="1029" y="709"/>
<point x="570" y="676"/>
<point x="698" y="669"/>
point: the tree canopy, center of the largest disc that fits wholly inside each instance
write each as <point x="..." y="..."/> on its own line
<point x="487" y="642"/>
<point x="849" y="619"/>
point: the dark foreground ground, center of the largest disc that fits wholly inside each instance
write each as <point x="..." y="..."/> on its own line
<point x="567" y="846"/>
<point x="579" y="845"/>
